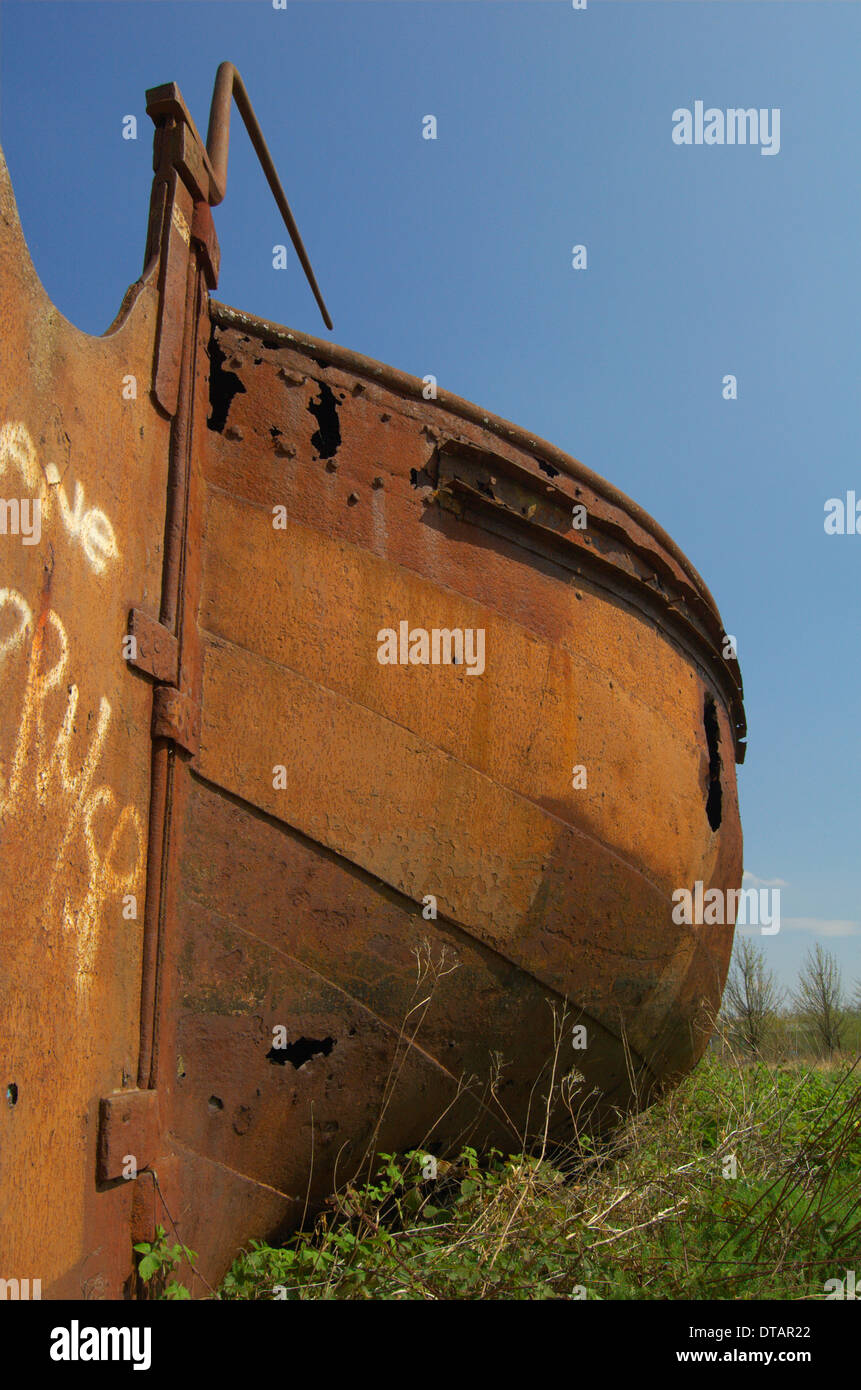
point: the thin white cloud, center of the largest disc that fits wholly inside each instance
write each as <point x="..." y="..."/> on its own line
<point x="755" y="882"/>
<point x="822" y="926"/>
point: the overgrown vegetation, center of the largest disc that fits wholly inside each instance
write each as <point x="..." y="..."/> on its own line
<point x="744" y="1182"/>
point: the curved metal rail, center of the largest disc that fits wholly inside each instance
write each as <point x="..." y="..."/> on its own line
<point x="228" y="83"/>
<point x="211" y="159"/>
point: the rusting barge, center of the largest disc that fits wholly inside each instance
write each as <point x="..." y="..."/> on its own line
<point x="225" y="822"/>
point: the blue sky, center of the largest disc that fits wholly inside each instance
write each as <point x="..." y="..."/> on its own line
<point x="453" y="257"/>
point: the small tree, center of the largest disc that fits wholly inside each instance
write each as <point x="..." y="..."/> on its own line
<point x="752" y="997"/>
<point x="819" y="998"/>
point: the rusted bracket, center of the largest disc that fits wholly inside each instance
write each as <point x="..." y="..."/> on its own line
<point x="177" y="141"/>
<point x="128" y="1130"/>
<point x="175" y="716"/>
<point x="156" y="650"/>
<point x="204" y="238"/>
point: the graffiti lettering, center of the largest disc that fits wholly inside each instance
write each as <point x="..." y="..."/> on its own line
<point x="90" y="528"/>
<point x="44" y="767"/>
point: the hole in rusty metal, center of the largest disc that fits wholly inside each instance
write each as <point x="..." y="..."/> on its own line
<point x="327" y="439"/>
<point x="12" y="1093"/>
<point x="300" y="1052"/>
<point x="421" y="478"/>
<point x="548" y="469"/>
<point x="223" y="386"/>
<point x="216" y="1103"/>
<point x="714" y="794"/>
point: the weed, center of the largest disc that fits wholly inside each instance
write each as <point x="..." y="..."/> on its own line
<point x="158" y="1260"/>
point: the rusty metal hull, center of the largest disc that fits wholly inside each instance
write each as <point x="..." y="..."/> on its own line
<point x="224" y="842"/>
<point x="300" y="903"/>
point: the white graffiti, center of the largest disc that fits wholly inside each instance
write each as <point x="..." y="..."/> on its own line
<point x="46" y="774"/>
<point x="89" y="527"/>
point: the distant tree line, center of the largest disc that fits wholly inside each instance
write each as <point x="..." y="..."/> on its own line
<point x="817" y="1018"/>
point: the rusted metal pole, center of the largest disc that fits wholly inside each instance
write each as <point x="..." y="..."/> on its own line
<point x="163" y="757"/>
<point x="228" y="83"/>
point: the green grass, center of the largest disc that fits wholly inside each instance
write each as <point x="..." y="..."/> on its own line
<point x="648" y="1214"/>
